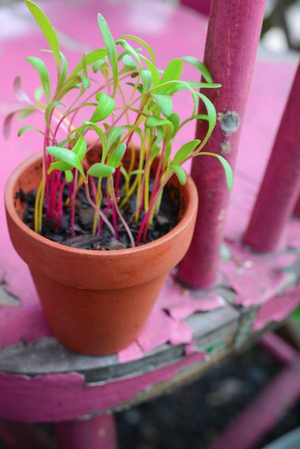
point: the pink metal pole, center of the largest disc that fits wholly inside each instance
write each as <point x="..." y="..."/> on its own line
<point x="278" y="348"/>
<point x="18" y="435"/>
<point x="281" y="183"/>
<point x="264" y="412"/>
<point x="200" y="5"/>
<point x="94" y="433"/>
<point x="297" y="208"/>
<point x="231" y="44"/>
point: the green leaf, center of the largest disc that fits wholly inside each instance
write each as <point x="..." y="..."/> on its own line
<point x="69" y="176"/>
<point x="212" y="116"/>
<point x="101" y="136"/>
<point x="64" y="142"/>
<point x="154" y="122"/>
<point x="130" y="50"/>
<point x="155" y="149"/>
<point x="38" y="93"/>
<point x="41" y="68"/>
<point x="180" y="173"/>
<point x="61" y="166"/>
<point x="80" y="148"/>
<point x="147" y="80"/>
<point x="140" y="41"/>
<point x="100" y="170"/>
<point x="47" y="29"/>
<point x="117" y="155"/>
<point x="175" y="120"/>
<point x="26" y="128"/>
<point x="165" y="103"/>
<point x="114" y="136"/>
<point x="48" y="110"/>
<point x="172" y="71"/>
<point x="199" y="66"/>
<point x="91" y="58"/>
<point x="86" y="84"/>
<point x="153" y="71"/>
<point x="129" y="61"/>
<point x="104" y="108"/>
<point x="185" y="151"/>
<point x="171" y="87"/>
<point x="98" y="65"/>
<point x="204" y="85"/>
<point x="65" y="155"/>
<point x="64" y="72"/>
<point x="111" y="49"/>
<point x="26" y="112"/>
<point x="160" y="134"/>
<point x="226" y="166"/>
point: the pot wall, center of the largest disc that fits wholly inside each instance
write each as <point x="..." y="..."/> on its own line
<point x="96" y="302"/>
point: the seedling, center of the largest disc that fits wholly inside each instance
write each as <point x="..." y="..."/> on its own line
<point x="118" y="99"/>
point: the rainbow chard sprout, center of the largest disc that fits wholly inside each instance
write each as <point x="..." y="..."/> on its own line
<point x="118" y="100"/>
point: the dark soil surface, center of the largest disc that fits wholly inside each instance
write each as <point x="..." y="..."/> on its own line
<point x="166" y="220"/>
<point x="192" y="417"/>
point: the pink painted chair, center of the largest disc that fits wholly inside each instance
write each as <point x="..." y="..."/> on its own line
<point x="241" y="292"/>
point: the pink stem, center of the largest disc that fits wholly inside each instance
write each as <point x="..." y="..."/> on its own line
<point x="147" y="215"/>
<point x="60" y="204"/>
<point x="97" y="209"/>
<point x="116" y="208"/>
<point x="73" y="203"/>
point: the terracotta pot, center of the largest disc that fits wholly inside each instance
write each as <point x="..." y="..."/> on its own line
<point x="96" y="302"/>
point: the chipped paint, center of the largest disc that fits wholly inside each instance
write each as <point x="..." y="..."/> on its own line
<point x="7" y="299"/>
<point x="225" y="147"/>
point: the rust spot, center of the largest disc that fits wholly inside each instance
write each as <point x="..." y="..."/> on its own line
<point x="229" y="121"/>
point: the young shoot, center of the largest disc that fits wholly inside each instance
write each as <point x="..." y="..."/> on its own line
<point x="117" y="102"/>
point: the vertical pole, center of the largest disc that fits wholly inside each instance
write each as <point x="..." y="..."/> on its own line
<point x="201" y="6"/>
<point x="281" y="183"/>
<point x="297" y="208"/>
<point x="94" y="433"/>
<point x="16" y="435"/>
<point x="231" y="44"/>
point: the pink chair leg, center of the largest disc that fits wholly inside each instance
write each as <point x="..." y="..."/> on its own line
<point x="94" y="433"/>
<point x="17" y="435"/>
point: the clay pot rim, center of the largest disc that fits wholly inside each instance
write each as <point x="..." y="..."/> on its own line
<point x="192" y="203"/>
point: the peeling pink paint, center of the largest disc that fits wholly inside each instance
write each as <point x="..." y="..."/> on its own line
<point x="54" y="398"/>
<point x="277" y="308"/>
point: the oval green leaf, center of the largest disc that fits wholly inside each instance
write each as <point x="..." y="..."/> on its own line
<point x="100" y="170"/>
<point x="47" y="29"/>
<point x="180" y="173"/>
<point x="185" y="151"/>
<point x="41" y="68"/>
<point x="117" y="155"/>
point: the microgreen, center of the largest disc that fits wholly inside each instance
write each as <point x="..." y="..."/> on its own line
<point x="122" y="102"/>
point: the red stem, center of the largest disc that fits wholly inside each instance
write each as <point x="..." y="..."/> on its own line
<point x="147" y="215"/>
<point x="73" y="203"/>
<point x="60" y="204"/>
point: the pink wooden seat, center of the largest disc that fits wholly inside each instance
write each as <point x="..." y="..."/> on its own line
<point x="41" y="381"/>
